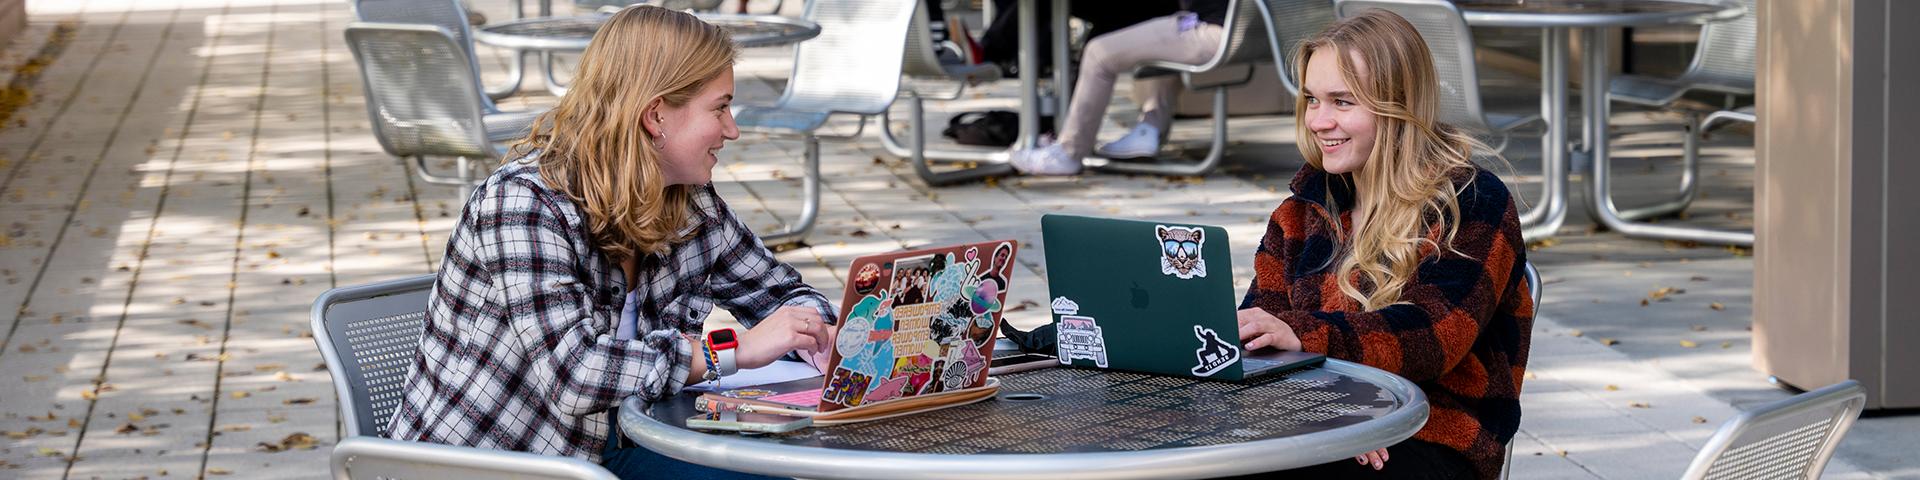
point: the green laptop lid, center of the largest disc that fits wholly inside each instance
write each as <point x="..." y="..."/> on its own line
<point x="1144" y="296"/>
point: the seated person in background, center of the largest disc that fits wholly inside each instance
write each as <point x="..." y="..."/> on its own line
<point x="1190" y="36"/>
<point x="1397" y="251"/>
<point x="581" y="271"/>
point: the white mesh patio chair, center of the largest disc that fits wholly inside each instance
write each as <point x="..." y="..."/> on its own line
<point x="423" y="99"/>
<point x="1788" y="439"/>
<point x="450" y="15"/>
<point x="1451" y="43"/>
<point x="1290" y="23"/>
<point x="369" y="458"/>
<point x="1533" y="286"/>
<point x="928" y="76"/>
<point x="1241" y="44"/>
<point x="853" y="67"/>
<point x="368" y="335"/>
<point x="1722" y="62"/>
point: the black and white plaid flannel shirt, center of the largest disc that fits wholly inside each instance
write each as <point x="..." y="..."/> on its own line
<point x="519" y="350"/>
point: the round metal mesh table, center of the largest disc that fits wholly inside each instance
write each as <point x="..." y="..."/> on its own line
<point x="574" y="33"/>
<point x="1593" y="13"/>
<point x="1056" y="421"/>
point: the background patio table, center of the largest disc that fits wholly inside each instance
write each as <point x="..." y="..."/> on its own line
<point x="572" y="34"/>
<point x="1592" y="18"/>
<point x="1064" y="421"/>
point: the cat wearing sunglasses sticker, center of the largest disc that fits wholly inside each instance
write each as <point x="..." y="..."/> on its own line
<point x="1180" y="251"/>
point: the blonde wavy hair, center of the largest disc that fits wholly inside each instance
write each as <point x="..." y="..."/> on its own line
<point x="1405" y="194"/>
<point x="592" y="146"/>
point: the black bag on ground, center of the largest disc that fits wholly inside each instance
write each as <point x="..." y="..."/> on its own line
<point x="993" y="128"/>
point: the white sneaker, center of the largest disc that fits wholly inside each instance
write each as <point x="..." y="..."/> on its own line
<point x="1143" y="141"/>
<point x="1048" y="159"/>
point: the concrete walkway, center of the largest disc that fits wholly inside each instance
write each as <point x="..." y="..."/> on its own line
<point x="191" y="174"/>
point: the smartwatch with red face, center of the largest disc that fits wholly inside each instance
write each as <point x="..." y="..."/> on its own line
<point x="721" y="345"/>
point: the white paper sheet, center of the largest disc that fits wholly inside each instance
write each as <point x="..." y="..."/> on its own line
<point x="776" y="372"/>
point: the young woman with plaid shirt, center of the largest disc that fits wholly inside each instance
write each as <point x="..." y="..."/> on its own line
<point x="1397" y="252"/>
<point x="581" y="271"/>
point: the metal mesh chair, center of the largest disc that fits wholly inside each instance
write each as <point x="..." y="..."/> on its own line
<point x="1292" y="22"/>
<point x="1723" y="62"/>
<point x="853" y="67"/>
<point x="1533" y="286"/>
<point x="369" y="335"/>
<point x="447" y="14"/>
<point x="1451" y="43"/>
<point x="1788" y="439"/>
<point x="1230" y="66"/>
<point x="423" y="98"/>
<point x="379" y="458"/>
<point x="930" y="77"/>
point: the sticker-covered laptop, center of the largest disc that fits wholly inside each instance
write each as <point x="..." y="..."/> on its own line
<point x="912" y="323"/>
<point x="1153" y="297"/>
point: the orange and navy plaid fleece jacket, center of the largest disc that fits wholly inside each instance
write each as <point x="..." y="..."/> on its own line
<point x="1462" y="330"/>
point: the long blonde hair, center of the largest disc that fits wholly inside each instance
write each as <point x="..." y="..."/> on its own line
<point x="1405" y="194"/>
<point x="592" y="146"/>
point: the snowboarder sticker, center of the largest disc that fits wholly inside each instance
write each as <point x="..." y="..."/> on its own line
<point x="1213" y="353"/>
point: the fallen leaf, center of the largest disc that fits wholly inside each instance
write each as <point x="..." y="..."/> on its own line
<point x="1725" y="345"/>
<point x="1698" y="419"/>
<point x="127" y="428"/>
<point x="1639" y="405"/>
<point x="1699" y="328"/>
<point x="1575" y="332"/>
<point x="1688" y="344"/>
<point x="1609" y="341"/>
<point x="242" y="394"/>
<point x="1643" y="302"/>
<point x="298" y="401"/>
<point x="1697" y="278"/>
<point x="1613" y="388"/>
<point x="218" y="471"/>
<point x="283" y="376"/>
<point x="89" y="395"/>
<point x="1660" y="293"/>
<point x="49" y="452"/>
<point x="1562" y="453"/>
<point x="1717" y="306"/>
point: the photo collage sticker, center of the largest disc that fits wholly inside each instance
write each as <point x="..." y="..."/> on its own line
<point x="923" y="324"/>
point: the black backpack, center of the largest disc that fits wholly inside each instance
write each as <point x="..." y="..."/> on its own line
<point x="993" y="128"/>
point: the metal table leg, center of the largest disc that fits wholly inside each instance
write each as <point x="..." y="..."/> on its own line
<point x="1545" y="218"/>
<point x="1600" y="204"/>
<point x="1029" y="77"/>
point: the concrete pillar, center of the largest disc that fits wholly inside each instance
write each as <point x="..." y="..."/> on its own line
<point x="1836" y="295"/>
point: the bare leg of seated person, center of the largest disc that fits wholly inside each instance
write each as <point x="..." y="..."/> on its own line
<point x="1107" y="57"/>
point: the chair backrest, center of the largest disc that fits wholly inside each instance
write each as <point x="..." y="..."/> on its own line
<point x="447" y="14"/>
<point x="1451" y="43"/>
<point x="1533" y="285"/>
<point x="1724" y="58"/>
<point x="1243" y="23"/>
<point x="380" y="458"/>
<point x="921" y="59"/>
<point x="854" y="65"/>
<point x="368" y="335"/>
<point x="423" y="97"/>
<point x="1292" y="22"/>
<point x="1788" y="439"/>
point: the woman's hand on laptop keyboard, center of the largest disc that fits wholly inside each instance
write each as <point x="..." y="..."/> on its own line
<point x="1259" y="329"/>
<point x="788" y="329"/>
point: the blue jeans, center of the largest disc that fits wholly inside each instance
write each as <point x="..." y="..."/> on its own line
<point x="629" y="461"/>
